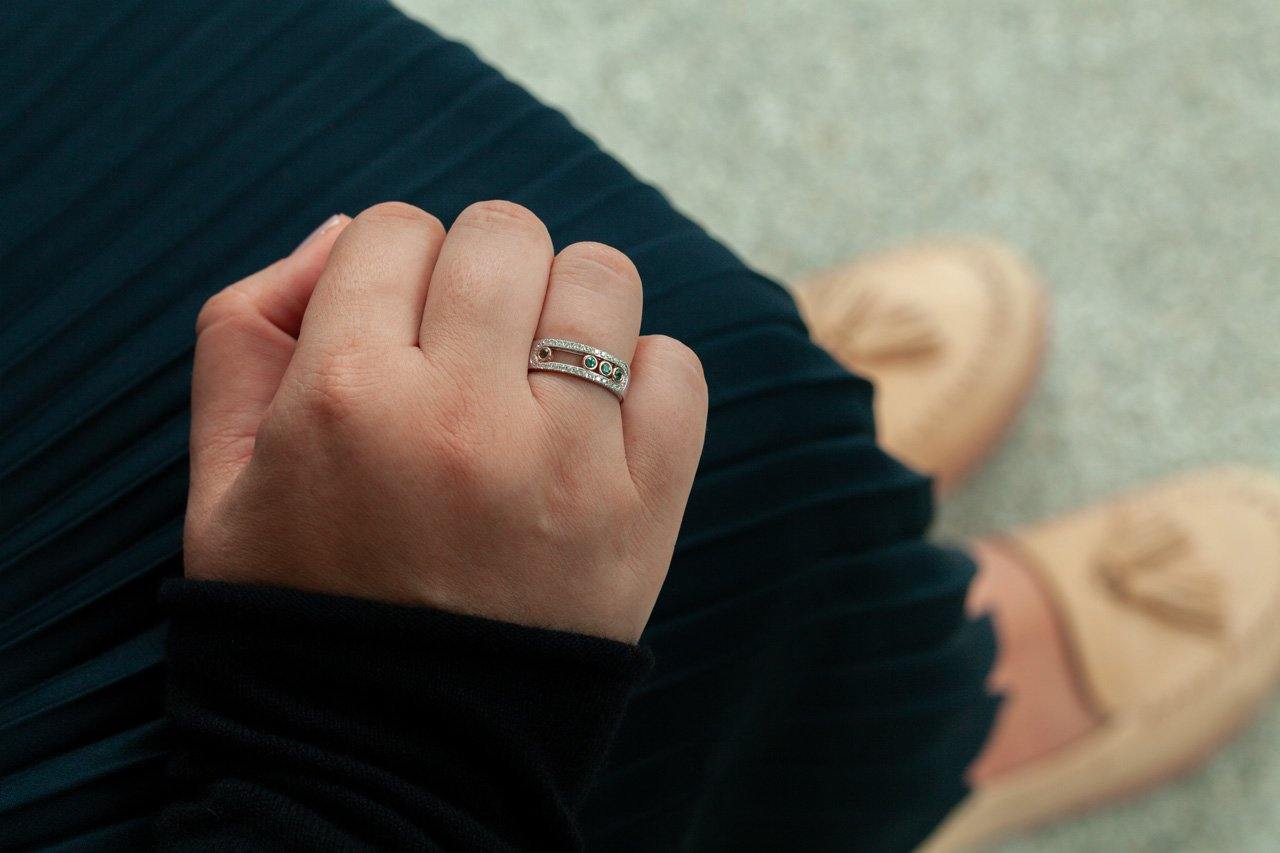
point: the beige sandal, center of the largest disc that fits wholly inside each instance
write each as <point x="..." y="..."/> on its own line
<point x="1170" y="599"/>
<point x="950" y="333"/>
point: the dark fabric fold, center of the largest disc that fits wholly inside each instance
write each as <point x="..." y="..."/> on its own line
<point x="300" y="720"/>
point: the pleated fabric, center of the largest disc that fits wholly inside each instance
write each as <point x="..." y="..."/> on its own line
<point x="818" y="685"/>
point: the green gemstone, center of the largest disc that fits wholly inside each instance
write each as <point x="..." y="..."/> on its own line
<point x="606" y="369"/>
<point x="589" y="362"/>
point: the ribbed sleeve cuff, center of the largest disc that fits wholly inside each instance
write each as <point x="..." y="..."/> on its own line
<point x="373" y="723"/>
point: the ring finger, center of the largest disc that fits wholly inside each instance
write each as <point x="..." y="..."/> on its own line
<point x="593" y="297"/>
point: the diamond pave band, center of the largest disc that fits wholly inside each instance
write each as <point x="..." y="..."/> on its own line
<point x="593" y="365"/>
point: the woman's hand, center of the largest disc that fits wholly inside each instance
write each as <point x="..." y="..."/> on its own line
<point x="363" y="423"/>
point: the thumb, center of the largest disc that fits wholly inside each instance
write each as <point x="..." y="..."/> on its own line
<point x="245" y="337"/>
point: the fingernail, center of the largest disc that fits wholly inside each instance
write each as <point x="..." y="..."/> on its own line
<point x="323" y="227"/>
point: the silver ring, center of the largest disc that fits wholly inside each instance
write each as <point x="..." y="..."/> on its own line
<point x="591" y="364"/>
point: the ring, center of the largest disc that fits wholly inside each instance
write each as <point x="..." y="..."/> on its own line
<point x="593" y="365"/>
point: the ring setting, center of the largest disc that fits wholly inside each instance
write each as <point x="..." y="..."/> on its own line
<point x="591" y="364"/>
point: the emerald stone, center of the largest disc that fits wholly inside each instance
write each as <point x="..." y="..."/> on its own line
<point x="589" y="362"/>
<point x="606" y="369"/>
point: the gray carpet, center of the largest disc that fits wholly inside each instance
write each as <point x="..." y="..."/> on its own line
<point x="1132" y="149"/>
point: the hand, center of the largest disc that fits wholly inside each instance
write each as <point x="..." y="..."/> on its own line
<point x="364" y="424"/>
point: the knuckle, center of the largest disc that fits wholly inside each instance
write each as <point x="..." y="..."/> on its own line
<point x="334" y="387"/>
<point x="226" y="305"/>
<point x="502" y="216"/>
<point x="399" y="211"/>
<point x="373" y="240"/>
<point x="682" y="365"/>
<point x="594" y="270"/>
<point x="592" y="259"/>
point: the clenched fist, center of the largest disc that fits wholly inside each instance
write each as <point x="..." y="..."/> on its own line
<point x="364" y="423"/>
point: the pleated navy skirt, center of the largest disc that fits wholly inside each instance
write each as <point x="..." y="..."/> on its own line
<point x="818" y="685"/>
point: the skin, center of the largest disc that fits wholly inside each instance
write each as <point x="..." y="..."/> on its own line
<point x="364" y="424"/>
<point x="1044" y="708"/>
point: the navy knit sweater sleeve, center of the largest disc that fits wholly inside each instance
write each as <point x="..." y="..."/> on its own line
<point x="307" y="721"/>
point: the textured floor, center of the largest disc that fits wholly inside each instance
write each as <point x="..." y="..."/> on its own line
<point x="1132" y="149"/>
